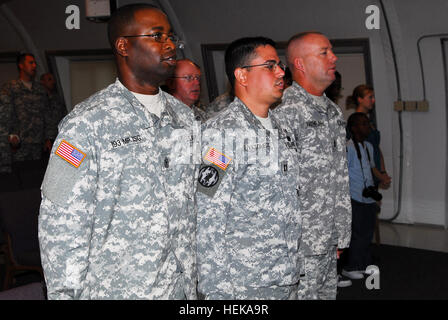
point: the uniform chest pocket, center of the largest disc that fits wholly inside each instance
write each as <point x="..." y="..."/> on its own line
<point x="263" y="186"/>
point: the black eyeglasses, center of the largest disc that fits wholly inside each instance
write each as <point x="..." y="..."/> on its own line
<point x="270" y="64"/>
<point x="189" y="78"/>
<point x="161" y="37"/>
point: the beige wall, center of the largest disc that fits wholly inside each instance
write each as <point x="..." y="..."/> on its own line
<point x="88" y="77"/>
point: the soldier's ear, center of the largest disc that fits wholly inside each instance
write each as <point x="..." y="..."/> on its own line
<point x="121" y="46"/>
<point x="241" y="76"/>
<point x="298" y="64"/>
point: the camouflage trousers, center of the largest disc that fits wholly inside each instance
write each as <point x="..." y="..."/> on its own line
<point x="318" y="280"/>
<point x="266" y="293"/>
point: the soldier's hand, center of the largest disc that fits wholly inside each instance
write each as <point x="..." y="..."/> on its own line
<point x="13" y="140"/>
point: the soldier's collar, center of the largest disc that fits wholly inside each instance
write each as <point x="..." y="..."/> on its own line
<point x="331" y="109"/>
<point x="248" y="115"/>
<point x="167" y="116"/>
<point x="137" y="106"/>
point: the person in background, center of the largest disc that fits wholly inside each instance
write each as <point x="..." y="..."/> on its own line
<point x="320" y="133"/>
<point x="221" y="102"/>
<point x="117" y="216"/>
<point x="185" y="85"/>
<point x="364" y="196"/>
<point x="57" y="105"/>
<point x="333" y="92"/>
<point x="25" y="112"/>
<point x="363" y="99"/>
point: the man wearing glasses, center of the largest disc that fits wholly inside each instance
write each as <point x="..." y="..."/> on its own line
<point x="185" y="85"/>
<point x="319" y="127"/>
<point x="248" y="219"/>
<point x="116" y="219"/>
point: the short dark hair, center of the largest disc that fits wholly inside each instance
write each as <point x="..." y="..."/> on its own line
<point x="122" y="18"/>
<point x="240" y="52"/>
<point x="21" y="58"/>
<point x="354" y="119"/>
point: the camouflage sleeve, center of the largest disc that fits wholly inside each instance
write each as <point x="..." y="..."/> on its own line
<point x="288" y="116"/>
<point x="343" y="207"/>
<point x="213" y="205"/>
<point x="12" y="126"/>
<point x="66" y="213"/>
<point x="5" y="119"/>
<point x="50" y="124"/>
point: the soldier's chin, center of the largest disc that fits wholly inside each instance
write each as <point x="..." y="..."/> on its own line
<point x="194" y="96"/>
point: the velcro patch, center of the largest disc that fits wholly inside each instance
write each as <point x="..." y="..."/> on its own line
<point x="70" y="153"/>
<point x="209" y="179"/>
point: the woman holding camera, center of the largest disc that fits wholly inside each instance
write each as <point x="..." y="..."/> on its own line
<point x="364" y="195"/>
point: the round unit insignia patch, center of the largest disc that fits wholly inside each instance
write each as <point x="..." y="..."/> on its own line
<point x="208" y="176"/>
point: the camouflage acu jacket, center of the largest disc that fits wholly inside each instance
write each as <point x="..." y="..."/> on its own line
<point x="249" y="224"/>
<point x="324" y="184"/>
<point x="220" y="103"/>
<point x="117" y="219"/>
<point x="199" y="113"/>
<point x="30" y="117"/>
<point x="5" y="121"/>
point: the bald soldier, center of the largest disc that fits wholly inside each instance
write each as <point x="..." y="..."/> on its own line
<point x="324" y="190"/>
<point x="117" y="218"/>
<point x="185" y="85"/>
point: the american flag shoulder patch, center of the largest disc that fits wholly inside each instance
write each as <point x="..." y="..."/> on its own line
<point x="70" y="153"/>
<point x="217" y="158"/>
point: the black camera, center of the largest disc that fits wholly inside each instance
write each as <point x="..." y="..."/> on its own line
<point x="371" y="192"/>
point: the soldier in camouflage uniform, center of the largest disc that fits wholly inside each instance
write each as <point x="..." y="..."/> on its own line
<point x="28" y="128"/>
<point x="220" y="103"/>
<point x="57" y="105"/>
<point x="324" y="190"/>
<point x="5" y="121"/>
<point x="117" y="216"/>
<point x="185" y="85"/>
<point x="248" y="218"/>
